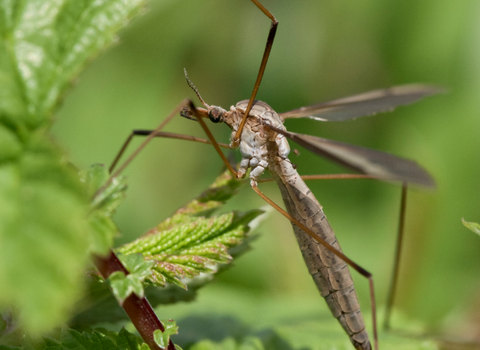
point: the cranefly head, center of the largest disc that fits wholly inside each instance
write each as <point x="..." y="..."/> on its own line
<point x="215" y="113"/>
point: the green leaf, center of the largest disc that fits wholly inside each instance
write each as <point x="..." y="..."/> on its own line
<point x="475" y="227"/>
<point x="104" y="198"/>
<point x="44" y="235"/>
<point x="192" y="241"/>
<point x="124" y="285"/>
<point x="126" y="340"/>
<point x="196" y="255"/>
<point x="45" y="45"/>
<point x="163" y="338"/>
<point x="87" y="340"/>
<point x="103" y="206"/>
<point x="136" y="265"/>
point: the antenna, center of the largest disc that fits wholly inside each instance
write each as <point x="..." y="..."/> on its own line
<point x="194" y="88"/>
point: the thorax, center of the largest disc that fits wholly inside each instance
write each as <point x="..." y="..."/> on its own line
<point x="259" y="145"/>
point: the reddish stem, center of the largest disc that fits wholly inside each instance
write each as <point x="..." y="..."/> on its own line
<point x="138" y="309"/>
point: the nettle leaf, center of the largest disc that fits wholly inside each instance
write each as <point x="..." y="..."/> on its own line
<point x="46" y="44"/>
<point x="99" y="339"/>
<point x="44" y="237"/>
<point x="127" y="340"/>
<point x="136" y="265"/>
<point x="192" y="241"/>
<point x="103" y="205"/>
<point x="162" y="338"/>
<point x="205" y="241"/>
<point x="124" y="285"/>
<point x="475" y="227"/>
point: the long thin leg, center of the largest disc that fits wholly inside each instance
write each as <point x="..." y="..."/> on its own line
<point x="168" y="135"/>
<point x="396" y="266"/>
<point x="156" y="133"/>
<point x="342" y="256"/>
<point x="268" y="48"/>
<point x="185" y="103"/>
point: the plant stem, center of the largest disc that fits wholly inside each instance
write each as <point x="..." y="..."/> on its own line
<point x="138" y="309"/>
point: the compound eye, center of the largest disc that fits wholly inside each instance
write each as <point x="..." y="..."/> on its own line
<point x="215" y="115"/>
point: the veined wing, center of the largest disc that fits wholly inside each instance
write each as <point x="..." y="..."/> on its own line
<point x="365" y="104"/>
<point x="368" y="161"/>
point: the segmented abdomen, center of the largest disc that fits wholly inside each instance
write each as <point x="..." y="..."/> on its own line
<point x="329" y="272"/>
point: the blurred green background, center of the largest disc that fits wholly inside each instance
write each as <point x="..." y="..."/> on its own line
<point x="323" y="50"/>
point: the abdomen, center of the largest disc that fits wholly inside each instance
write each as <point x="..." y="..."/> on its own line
<point x="330" y="273"/>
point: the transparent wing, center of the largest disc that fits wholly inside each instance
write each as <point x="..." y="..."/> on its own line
<point x="365" y="104"/>
<point x="364" y="160"/>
